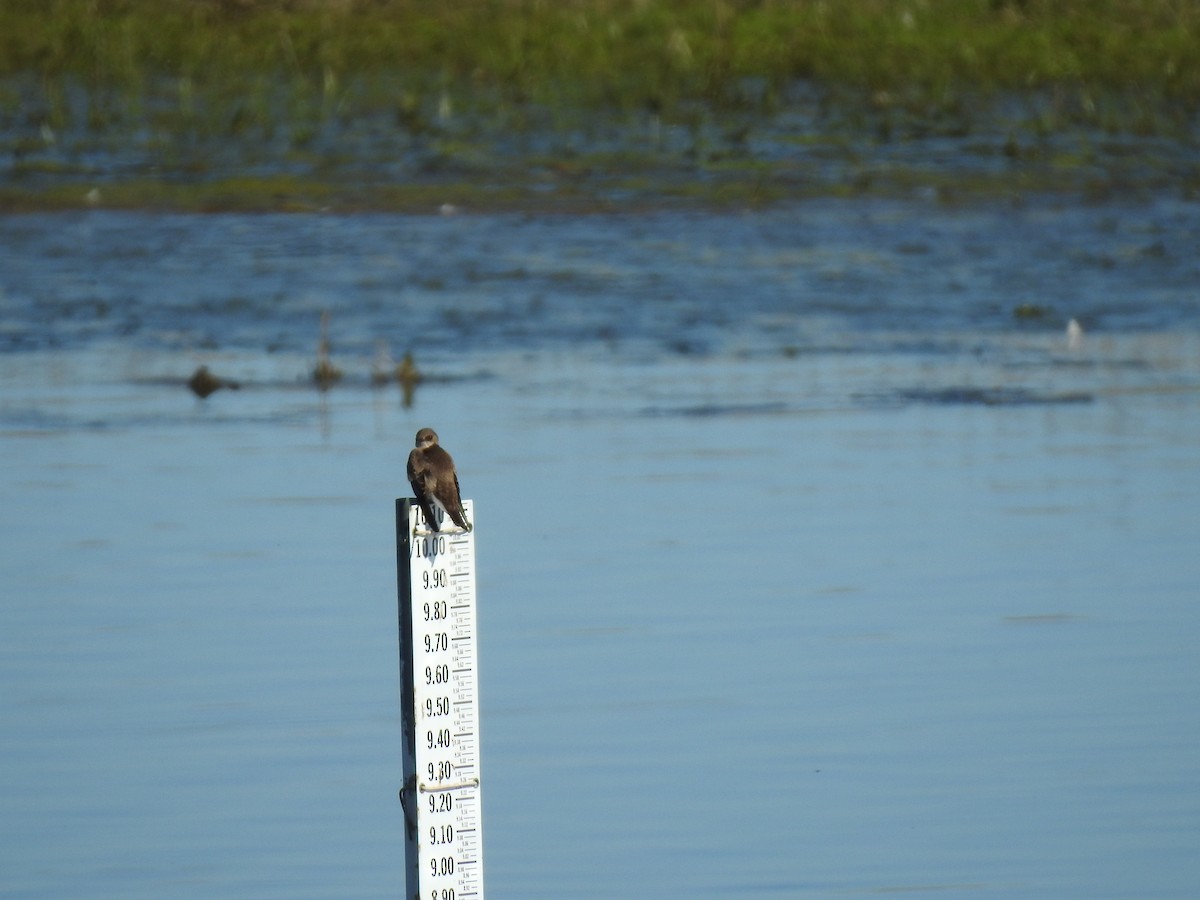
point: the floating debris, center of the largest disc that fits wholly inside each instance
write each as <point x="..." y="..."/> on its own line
<point x="716" y="410"/>
<point x="1053" y="618"/>
<point x="973" y="396"/>
<point x="203" y="383"/>
<point x="1027" y="311"/>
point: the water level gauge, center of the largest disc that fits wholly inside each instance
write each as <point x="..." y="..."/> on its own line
<point x="439" y="707"/>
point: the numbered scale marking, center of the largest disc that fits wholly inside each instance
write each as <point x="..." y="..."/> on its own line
<point x="440" y="707"/>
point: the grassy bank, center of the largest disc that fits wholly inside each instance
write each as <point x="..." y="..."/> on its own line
<point x="292" y="82"/>
<point x="622" y="51"/>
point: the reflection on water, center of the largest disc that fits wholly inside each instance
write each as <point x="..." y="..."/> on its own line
<point x="806" y="567"/>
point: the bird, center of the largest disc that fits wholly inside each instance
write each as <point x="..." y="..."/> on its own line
<point x="409" y="377"/>
<point x="203" y="382"/>
<point x="434" y="481"/>
<point x="325" y="373"/>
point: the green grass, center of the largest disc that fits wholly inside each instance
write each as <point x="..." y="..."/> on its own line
<point x="614" y="51"/>
<point x="289" y="80"/>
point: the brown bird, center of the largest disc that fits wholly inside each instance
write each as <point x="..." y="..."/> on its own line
<point x="434" y="481"/>
<point x="203" y="382"/>
<point x="409" y="377"/>
<point x="325" y="373"/>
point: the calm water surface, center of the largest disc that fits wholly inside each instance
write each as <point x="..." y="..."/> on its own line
<point x="806" y="568"/>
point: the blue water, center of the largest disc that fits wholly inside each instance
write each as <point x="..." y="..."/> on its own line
<point x="806" y="568"/>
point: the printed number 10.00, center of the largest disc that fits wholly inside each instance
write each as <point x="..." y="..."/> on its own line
<point x="429" y="546"/>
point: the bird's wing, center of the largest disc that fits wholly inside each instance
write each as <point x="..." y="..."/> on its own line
<point x="415" y="468"/>
<point x="418" y="469"/>
<point x="457" y="513"/>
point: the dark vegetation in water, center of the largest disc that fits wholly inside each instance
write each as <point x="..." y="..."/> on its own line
<point x="395" y="104"/>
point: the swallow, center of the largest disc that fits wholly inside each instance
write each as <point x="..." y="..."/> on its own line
<point x="434" y="481"/>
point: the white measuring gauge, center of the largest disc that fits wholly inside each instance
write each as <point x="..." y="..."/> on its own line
<point x="440" y="707"/>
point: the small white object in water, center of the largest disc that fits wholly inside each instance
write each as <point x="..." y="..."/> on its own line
<point x="383" y="366"/>
<point x="92" y="196"/>
<point x="1074" y="335"/>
